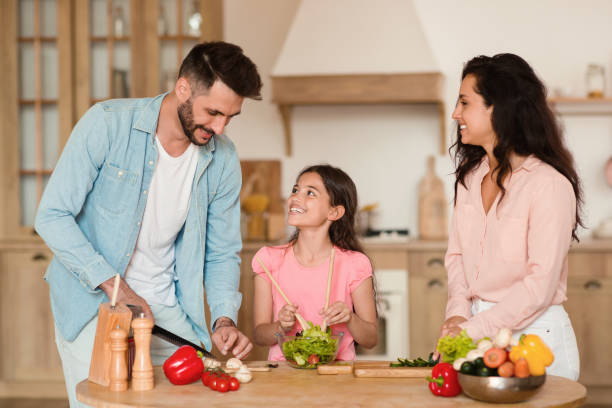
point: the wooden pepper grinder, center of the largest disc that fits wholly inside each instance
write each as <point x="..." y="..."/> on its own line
<point x="142" y="371"/>
<point x="118" y="368"/>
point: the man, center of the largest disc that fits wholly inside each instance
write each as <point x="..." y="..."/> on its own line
<point x="149" y="188"/>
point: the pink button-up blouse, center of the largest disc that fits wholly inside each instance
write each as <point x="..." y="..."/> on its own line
<point x="516" y="255"/>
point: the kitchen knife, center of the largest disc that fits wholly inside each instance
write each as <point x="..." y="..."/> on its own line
<point x="179" y="341"/>
<point x="169" y="336"/>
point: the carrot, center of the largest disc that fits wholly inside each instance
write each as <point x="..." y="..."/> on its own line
<point x="494" y="357"/>
<point x="506" y="369"/>
<point x="521" y="368"/>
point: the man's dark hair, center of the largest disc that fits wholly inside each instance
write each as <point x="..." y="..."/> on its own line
<point x="209" y="61"/>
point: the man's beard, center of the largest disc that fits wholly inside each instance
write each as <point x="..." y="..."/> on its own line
<point x="185" y="114"/>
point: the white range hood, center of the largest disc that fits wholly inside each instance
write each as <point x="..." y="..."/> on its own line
<point x="355" y="51"/>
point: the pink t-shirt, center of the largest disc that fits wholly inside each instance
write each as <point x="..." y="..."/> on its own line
<point x="306" y="287"/>
<point x="516" y="254"/>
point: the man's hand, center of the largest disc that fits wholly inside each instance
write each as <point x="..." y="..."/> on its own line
<point x="227" y="336"/>
<point x="126" y="295"/>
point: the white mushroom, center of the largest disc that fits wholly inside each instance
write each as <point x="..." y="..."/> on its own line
<point x="233" y="364"/>
<point x="243" y="374"/>
<point x="211" y="363"/>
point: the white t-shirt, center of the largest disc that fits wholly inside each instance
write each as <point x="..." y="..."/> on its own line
<point x="151" y="270"/>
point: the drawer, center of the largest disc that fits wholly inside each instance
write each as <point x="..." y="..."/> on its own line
<point x="388" y="259"/>
<point x="429" y="264"/>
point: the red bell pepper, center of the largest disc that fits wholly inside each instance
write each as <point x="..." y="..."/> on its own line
<point x="443" y="381"/>
<point x="184" y="366"/>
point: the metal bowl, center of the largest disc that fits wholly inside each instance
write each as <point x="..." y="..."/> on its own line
<point x="500" y="389"/>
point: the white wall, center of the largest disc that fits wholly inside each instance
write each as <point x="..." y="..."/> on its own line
<point x="384" y="147"/>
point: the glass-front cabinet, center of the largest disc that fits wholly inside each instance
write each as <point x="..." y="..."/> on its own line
<point x="62" y="56"/>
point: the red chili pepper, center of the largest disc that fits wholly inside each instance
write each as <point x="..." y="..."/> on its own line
<point x="444" y="382"/>
<point x="184" y="366"/>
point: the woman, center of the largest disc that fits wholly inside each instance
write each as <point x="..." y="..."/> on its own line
<point x="517" y="207"/>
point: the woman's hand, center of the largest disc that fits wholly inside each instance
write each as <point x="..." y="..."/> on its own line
<point x="337" y="313"/>
<point x="286" y="317"/>
<point x="449" y="328"/>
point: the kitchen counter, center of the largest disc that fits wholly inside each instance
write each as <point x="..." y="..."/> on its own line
<point x="288" y="387"/>
<point x="414" y="245"/>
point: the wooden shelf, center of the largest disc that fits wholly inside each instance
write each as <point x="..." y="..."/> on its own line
<point x="105" y="39"/>
<point x="36" y="172"/>
<point x="33" y="101"/>
<point x="581" y="106"/>
<point x="41" y="39"/>
<point x="417" y="88"/>
<point x="176" y="37"/>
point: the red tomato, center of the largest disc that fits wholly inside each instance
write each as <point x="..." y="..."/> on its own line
<point x="206" y="377"/>
<point x="234" y="384"/>
<point x="222" y="385"/>
<point x="313" y="359"/>
<point x="212" y="384"/>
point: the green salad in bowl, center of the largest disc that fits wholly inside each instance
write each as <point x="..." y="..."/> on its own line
<point x="310" y="348"/>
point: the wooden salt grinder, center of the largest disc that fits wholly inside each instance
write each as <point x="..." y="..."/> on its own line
<point x="118" y="367"/>
<point x="142" y="371"/>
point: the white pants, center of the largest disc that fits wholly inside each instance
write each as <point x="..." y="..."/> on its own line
<point x="555" y="329"/>
<point x="76" y="355"/>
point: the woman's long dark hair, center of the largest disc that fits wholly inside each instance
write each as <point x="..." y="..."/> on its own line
<point x="342" y="191"/>
<point x="522" y="120"/>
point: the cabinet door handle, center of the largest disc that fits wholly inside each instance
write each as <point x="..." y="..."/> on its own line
<point x="39" y="257"/>
<point x="435" y="283"/>
<point x="592" y="285"/>
<point x="435" y="261"/>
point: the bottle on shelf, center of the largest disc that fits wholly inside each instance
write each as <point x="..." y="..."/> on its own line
<point x="195" y="19"/>
<point x="595" y="81"/>
<point x="162" y="26"/>
<point x="119" y="22"/>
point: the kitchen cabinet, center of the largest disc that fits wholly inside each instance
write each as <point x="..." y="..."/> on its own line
<point x="58" y="58"/>
<point x="29" y="364"/>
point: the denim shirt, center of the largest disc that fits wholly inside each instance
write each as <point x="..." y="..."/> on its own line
<point x="92" y="208"/>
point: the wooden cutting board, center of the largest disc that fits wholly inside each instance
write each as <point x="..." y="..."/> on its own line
<point x="382" y="369"/>
<point x="263" y="177"/>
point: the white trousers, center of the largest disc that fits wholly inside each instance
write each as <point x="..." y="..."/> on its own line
<point x="76" y="355"/>
<point x="555" y="329"/>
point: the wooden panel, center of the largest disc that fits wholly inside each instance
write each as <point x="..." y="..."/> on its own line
<point x="587" y="264"/>
<point x="360" y="88"/>
<point x="589" y="304"/>
<point x="245" y="315"/>
<point x="382" y="259"/>
<point x="82" y="58"/>
<point x="65" y="105"/>
<point x="427" y="264"/>
<point x="144" y="49"/>
<point x="28" y="332"/>
<point x="263" y="177"/>
<point x="9" y="125"/>
<point x="382" y="369"/>
<point x="212" y="20"/>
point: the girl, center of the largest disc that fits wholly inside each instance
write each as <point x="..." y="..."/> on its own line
<point x="322" y="207"/>
<point x="517" y="207"/>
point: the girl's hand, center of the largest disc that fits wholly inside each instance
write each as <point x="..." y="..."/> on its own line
<point x="286" y="317"/>
<point x="337" y="313"/>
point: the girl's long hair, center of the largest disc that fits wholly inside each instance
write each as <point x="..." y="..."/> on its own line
<point x="342" y="191"/>
<point x="522" y="120"/>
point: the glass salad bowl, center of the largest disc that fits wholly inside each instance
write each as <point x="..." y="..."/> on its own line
<point x="310" y="350"/>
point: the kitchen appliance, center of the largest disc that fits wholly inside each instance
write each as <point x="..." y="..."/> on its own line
<point x="392" y="301"/>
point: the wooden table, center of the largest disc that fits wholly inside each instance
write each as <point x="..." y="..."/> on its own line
<point x="289" y="387"/>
